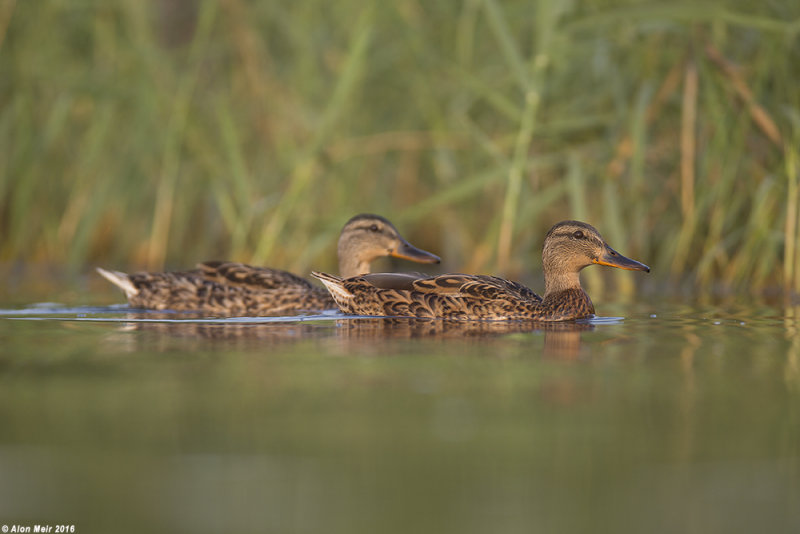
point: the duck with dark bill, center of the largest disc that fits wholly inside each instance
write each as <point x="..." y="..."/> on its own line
<point x="569" y="246"/>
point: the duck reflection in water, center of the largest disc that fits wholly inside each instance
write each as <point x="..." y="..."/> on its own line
<point x="356" y="335"/>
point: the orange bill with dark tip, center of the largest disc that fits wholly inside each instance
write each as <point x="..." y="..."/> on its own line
<point x="612" y="258"/>
<point x="407" y="251"/>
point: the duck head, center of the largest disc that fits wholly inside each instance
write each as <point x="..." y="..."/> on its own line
<point x="570" y="246"/>
<point x="367" y="237"/>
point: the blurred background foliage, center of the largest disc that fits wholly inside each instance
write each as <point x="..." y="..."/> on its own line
<point x="155" y="134"/>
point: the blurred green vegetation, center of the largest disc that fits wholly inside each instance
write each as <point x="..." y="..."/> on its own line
<point x="159" y="133"/>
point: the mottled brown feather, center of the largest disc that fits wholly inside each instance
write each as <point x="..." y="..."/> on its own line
<point x="189" y="291"/>
<point x="231" y="273"/>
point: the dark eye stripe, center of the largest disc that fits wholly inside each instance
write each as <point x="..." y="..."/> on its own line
<point x="572" y="235"/>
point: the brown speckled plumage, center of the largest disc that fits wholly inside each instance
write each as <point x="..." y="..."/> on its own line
<point x="257" y="293"/>
<point x="569" y="247"/>
<point x="228" y="288"/>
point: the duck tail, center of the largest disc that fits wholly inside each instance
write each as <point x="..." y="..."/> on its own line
<point x="334" y="284"/>
<point x="121" y="280"/>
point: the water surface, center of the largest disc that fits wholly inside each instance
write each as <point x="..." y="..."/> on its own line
<point x="656" y="418"/>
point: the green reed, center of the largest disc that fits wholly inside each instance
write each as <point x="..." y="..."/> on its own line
<point x="153" y="134"/>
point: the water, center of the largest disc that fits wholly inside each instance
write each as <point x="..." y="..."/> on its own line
<point x="657" y="418"/>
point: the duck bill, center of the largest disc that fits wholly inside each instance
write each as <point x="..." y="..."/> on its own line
<point x="612" y="258"/>
<point x="407" y="251"/>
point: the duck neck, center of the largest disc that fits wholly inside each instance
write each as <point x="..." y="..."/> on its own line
<point x="350" y="265"/>
<point x="556" y="282"/>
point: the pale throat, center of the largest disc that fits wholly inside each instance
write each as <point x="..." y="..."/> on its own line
<point x="350" y="266"/>
<point x="555" y="282"/>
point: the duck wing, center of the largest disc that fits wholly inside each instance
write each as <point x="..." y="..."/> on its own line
<point x="256" y="278"/>
<point x="479" y="286"/>
<point x="402" y="281"/>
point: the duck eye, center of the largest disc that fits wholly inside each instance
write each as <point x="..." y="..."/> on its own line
<point x="373" y="228"/>
<point x="577" y="234"/>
